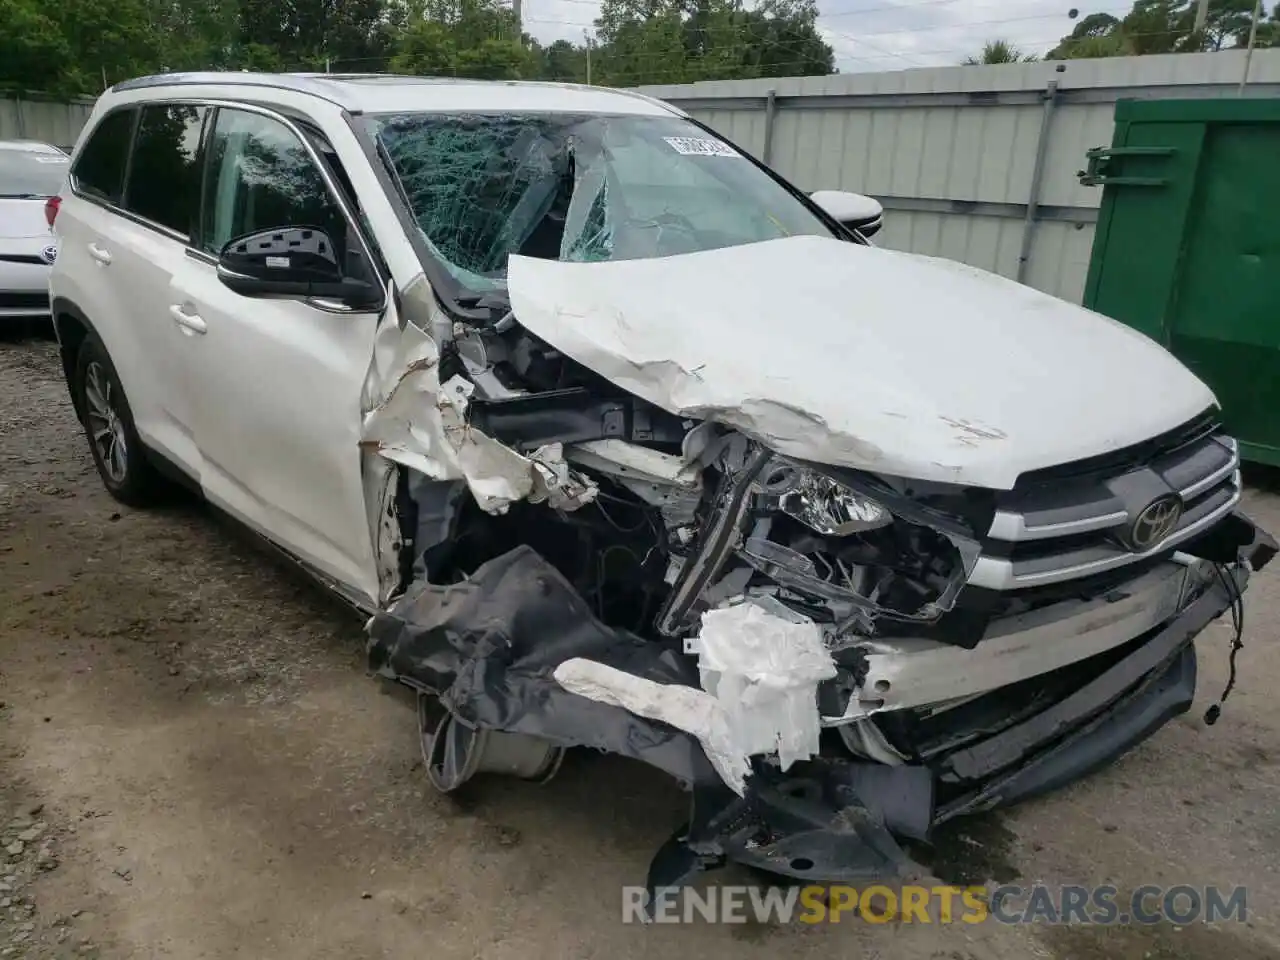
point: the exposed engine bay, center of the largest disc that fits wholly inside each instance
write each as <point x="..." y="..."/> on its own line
<point x="799" y="644"/>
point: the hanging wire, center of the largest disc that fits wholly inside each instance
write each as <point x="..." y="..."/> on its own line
<point x="1230" y="584"/>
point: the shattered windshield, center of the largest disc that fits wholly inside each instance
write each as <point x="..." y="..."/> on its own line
<point x="573" y="187"/>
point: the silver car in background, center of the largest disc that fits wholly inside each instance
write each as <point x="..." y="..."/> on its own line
<point x="31" y="175"/>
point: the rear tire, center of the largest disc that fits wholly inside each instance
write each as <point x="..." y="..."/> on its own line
<point x="117" y="451"/>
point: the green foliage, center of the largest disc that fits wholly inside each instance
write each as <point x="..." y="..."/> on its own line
<point x="71" y="47"/>
<point x="1167" y="26"/>
<point x="783" y="40"/>
<point x="1000" y="51"/>
<point x="680" y="41"/>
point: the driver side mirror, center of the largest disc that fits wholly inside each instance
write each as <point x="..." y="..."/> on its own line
<point x="297" y="262"/>
<point x="858" y="212"/>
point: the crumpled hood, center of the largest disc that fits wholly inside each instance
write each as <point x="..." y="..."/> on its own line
<point x="863" y="357"/>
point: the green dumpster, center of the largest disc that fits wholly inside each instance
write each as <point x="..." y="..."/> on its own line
<point x="1187" y="248"/>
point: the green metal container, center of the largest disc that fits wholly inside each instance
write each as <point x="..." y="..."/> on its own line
<point x="1187" y="248"/>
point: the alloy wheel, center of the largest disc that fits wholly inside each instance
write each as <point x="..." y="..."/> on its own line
<point x="106" y="428"/>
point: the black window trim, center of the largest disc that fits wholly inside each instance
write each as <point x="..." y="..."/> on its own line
<point x="335" y="193"/>
<point x="215" y="106"/>
<point x="74" y="181"/>
<point x="128" y="167"/>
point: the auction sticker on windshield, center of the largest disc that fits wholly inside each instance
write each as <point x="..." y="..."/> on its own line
<point x="701" y="147"/>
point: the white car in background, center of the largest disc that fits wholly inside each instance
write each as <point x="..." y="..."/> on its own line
<point x="31" y="175"/>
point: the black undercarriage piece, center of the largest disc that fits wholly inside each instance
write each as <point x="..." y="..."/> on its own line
<point x="488" y="647"/>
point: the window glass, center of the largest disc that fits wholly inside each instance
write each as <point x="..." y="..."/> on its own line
<point x="260" y="177"/>
<point x="31" y="173"/>
<point x="578" y="187"/>
<point x="99" y="170"/>
<point x="164" y="178"/>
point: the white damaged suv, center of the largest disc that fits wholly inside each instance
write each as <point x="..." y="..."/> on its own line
<point x="625" y="442"/>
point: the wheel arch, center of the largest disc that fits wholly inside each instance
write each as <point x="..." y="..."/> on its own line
<point x="71" y="326"/>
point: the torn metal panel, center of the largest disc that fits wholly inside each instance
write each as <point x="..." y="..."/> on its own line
<point x="903" y="672"/>
<point x="861" y="357"/>
<point x="381" y="487"/>
<point x="421" y="423"/>
<point x="670" y="483"/>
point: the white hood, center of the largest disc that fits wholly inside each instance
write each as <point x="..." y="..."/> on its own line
<point x="863" y="357"/>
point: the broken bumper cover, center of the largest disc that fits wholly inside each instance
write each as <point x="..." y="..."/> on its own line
<point x="489" y="648"/>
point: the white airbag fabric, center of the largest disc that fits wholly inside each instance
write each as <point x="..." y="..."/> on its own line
<point x="765" y="670"/>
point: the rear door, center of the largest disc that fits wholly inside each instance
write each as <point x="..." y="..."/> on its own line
<point x="274" y="384"/>
<point x="123" y="226"/>
<point x="160" y="207"/>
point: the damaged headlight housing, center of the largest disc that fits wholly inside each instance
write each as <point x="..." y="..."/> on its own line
<point x="824" y="505"/>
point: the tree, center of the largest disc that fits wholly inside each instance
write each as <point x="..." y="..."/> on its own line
<point x="426" y="48"/>
<point x="311" y="33"/>
<point x="464" y="38"/>
<point x="562" y="61"/>
<point x="642" y="41"/>
<point x="782" y="40"/>
<point x="677" y="41"/>
<point x="197" y="34"/>
<point x="999" y="51"/>
<point x="32" y="47"/>
<point x="1166" y="26"/>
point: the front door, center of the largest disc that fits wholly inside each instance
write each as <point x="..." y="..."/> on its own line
<point x="275" y="384"/>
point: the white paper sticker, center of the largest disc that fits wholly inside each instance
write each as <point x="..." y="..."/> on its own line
<point x="278" y="262"/>
<point x="701" y="147"/>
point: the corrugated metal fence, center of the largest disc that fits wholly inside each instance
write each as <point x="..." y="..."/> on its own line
<point x="28" y="117"/>
<point x="976" y="164"/>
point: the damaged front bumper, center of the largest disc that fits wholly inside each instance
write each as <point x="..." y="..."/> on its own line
<point x="494" y="649"/>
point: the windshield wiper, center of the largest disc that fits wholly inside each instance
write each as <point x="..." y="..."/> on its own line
<point x="25" y="196"/>
<point x="494" y="300"/>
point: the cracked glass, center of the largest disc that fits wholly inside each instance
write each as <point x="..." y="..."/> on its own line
<point x="482" y="187"/>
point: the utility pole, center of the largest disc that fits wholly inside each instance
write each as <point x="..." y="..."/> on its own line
<point x="517" y="7"/>
<point x="1253" y="39"/>
<point x="588" y="39"/>
<point x="1202" y="14"/>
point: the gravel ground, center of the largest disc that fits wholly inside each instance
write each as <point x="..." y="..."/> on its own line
<point x="194" y="764"/>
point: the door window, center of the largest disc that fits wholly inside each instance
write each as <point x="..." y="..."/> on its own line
<point x="261" y="177"/>
<point x="164" y="178"/>
<point x="99" y="169"/>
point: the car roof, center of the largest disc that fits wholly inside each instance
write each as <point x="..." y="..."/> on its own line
<point x="29" y="146"/>
<point x="389" y="93"/>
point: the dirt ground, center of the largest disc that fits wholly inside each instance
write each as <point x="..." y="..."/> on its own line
<point x="193" y="763"/>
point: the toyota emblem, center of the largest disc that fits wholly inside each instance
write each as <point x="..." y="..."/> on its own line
<point x="49" y="254"/>
<point x="1157" y="520"/>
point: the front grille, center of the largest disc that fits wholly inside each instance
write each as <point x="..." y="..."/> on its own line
<point x="24" y="301"/>
<point x="1070" y="522"/>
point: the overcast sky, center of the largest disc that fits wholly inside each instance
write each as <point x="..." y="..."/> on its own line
<point x="884" y="34"/>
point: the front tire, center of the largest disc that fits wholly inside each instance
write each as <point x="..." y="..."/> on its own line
<point x="108" y="424"/>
